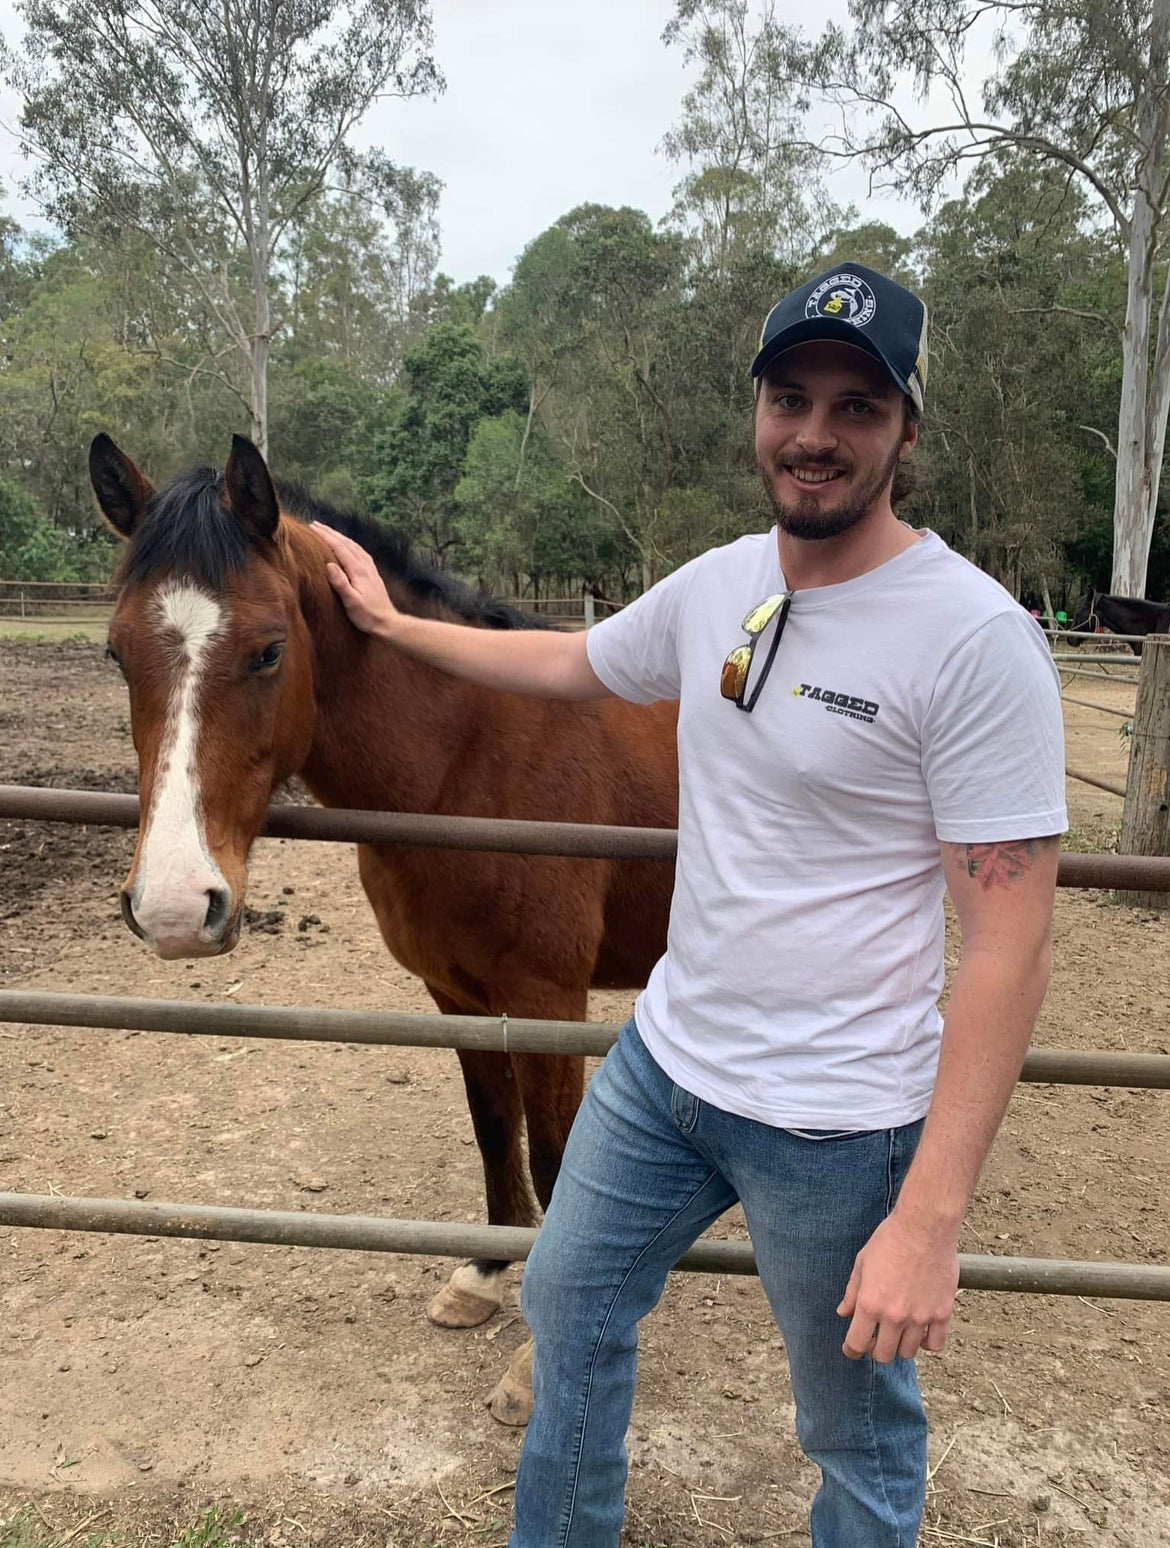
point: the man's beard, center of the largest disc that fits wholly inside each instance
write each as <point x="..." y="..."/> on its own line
<point x="810" y="517"/>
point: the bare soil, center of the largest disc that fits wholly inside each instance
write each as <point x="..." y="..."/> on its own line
<point x="145" y="1376"/>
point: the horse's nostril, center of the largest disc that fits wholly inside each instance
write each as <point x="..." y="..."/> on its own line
<point x="218" y="901"/>
<point x="128" y="916"/>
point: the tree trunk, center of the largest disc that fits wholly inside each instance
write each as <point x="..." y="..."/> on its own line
<point x="1141" y="432"/>
<point x="1131" y="532"/>
<point x="261" y="335"/>
<point x="260" y="346"/>
<point x="1049" y="614"/>
<point x="524" y="437"/>
<point x="1145" y="825"/>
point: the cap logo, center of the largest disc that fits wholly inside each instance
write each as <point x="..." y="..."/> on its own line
<point x="846" y="297"/>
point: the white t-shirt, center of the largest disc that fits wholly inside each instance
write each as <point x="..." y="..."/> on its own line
<point x="915" y="704"/>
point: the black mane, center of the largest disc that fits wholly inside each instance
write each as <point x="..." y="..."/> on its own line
<point x="188" y="531"/>
<point x="392" y="553"/>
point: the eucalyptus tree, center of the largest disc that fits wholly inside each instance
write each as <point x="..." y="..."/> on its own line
<point x="211" y="129"/>
<point x="752" y="180"/>
<point x="1082" y="86"/>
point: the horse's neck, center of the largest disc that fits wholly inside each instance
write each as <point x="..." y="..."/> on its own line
<point x="387" y="728"/>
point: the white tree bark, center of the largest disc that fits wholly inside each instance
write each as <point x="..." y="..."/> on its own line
<point x="1132" y="497"/>
<point x="1145" y="392"/>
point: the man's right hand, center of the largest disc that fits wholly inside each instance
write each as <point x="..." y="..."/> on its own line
<point x="355" y="578"/>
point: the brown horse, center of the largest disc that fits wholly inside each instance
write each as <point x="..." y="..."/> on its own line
<point x="244" y="670"/>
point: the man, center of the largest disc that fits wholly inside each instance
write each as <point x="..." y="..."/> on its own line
<point x="863" y="717"/>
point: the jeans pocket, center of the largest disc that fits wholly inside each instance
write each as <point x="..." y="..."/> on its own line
<point x="820" y="1136"/>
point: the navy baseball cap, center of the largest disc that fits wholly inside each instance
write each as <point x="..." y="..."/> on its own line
<point x="858" y="306"/>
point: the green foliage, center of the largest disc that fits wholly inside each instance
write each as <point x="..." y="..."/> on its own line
<point x="521" y="514"/>
<point x="589" y="423"/>
<point x="1004" y="446"/>
<point x="217" y="1527"/>
<point x="450" y="383"/>
<point x="212" y="132"/>
<point x="31" y="548"/>
<point x="753" y="182"/>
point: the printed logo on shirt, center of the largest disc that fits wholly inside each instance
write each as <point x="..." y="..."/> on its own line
<point x="839" y="703"/>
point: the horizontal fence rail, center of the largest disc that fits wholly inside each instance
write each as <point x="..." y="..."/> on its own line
<point x="365" y="1233"/>
<point x="1105" y="709"/>
<point x="1092" y="779"/>
<point x="1118" y="658"/>
<point x="594" y="841"/>
<point x="1105" y="636"/>
<point x="297" y="1023"/>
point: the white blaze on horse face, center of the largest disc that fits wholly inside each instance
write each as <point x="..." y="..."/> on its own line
<point x="176" y="873"/>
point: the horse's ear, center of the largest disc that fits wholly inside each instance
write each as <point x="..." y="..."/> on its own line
<point x="249" y="492"/>
<point x="122" y="491"/>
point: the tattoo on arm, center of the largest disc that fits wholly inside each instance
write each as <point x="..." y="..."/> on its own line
<point x="998" y="865"/>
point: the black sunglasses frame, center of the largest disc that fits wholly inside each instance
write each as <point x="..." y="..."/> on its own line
<point x="750" y="704"/>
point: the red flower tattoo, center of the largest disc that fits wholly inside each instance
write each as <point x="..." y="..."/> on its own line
<point x="996" y="865"/>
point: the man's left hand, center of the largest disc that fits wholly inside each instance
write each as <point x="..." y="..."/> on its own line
<point x="901" y="1293"/>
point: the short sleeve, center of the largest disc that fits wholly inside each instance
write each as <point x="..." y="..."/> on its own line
<point x="635" y="653"/>
<point x="993" y="737"/>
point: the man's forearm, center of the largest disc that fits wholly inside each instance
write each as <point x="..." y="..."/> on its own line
<point x="542" y="662"/>
<point x="989" y="1021"/>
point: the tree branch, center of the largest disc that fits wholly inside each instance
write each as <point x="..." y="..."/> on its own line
<point x="1109" y="446"/>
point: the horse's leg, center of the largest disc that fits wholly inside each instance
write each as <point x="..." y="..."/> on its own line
<point x="474" y="1292"/>
<point x="552" y="1086"/>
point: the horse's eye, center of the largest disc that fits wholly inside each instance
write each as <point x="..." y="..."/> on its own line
<point x="269" y="657"/>
<point x="112" y="655"/>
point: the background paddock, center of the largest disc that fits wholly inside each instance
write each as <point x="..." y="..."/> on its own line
<point x="289" y="1372"/>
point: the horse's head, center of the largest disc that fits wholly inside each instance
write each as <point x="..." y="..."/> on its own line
<point x="209" y="635"/>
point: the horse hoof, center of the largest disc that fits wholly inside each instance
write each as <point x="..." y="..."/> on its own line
<point x="511" y="1402"/>
<point x="467" y="1299"/>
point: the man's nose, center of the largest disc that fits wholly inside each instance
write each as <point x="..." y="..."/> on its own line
<point x="816" y="436"/>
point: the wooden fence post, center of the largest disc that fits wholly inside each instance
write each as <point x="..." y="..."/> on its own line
<point x="1145" y="823"/>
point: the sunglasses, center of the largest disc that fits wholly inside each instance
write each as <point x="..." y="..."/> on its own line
<point x="733" y="680"/>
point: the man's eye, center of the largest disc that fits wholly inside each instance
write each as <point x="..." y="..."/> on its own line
<point x="269" y="657"/>
<point x="860" y="407"/>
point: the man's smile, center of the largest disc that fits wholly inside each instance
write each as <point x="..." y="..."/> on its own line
<point x="811" y="476"/>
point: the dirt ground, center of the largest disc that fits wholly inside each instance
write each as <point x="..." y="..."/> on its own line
<point x="151" y="1375"/>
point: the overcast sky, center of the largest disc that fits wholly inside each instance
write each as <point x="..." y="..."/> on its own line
<point x="549" y="104"/>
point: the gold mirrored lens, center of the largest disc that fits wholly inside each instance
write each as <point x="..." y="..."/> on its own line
<point x="735" y="670"/>
<point x="762" y="615"/>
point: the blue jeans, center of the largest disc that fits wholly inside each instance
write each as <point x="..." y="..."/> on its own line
<point x="648" y="1167"/>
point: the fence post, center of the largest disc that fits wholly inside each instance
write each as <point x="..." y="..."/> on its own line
<point x="590" y="610"/>
<point x="1145" y="823"/>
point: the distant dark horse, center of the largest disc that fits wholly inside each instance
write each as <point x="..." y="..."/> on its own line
<point x="1122" y="615"/>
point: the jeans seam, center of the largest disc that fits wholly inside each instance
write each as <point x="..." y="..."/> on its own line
<point x="890" y="1170"/>
<point x="877" y="1455"/>
<point x="578" y="1444"/>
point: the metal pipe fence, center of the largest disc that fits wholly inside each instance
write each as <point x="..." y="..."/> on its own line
<point x="1105" y="636"/>
<point x="1105" y="709"/>
<point x="1120" y="658"/>
<point x="433" y="1238"/>
<point x="1092" y="779"/>
<point x="301" y="1023"/>
<point x="594" y="841"/>
<point x="1133" y="1281"/>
